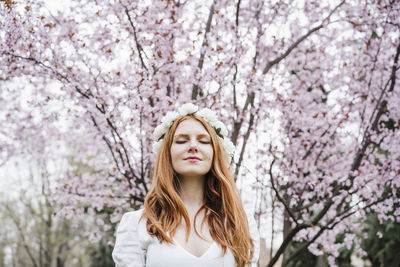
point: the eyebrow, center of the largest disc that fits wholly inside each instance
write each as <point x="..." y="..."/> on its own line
<point x="187" y="136"/>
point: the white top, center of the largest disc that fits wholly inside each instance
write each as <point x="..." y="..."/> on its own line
<point x="134" y="247"/>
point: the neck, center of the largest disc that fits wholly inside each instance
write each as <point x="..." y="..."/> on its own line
<point x="192" y="191"/>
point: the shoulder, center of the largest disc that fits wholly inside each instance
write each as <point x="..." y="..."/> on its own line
<point x="131" y="240"/>
<point x="132" y="224"/>
<point x="133" y="215"/>
<point x="131" y="220"/>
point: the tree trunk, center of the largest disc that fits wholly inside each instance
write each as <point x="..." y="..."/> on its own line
<point x="286" y="229"/>
<point x="320" y="261"/>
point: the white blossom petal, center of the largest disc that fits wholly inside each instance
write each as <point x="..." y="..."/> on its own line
<point x="208" y="115"/>
<point x="159" y="131"/>
<point x="169" y="118"/>
<point x="229" y="147"/>
<point x="220" y="125"/>
<point x="188" y="108"/>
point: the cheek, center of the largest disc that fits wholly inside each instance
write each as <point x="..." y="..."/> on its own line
<point x="211" y="153"/>
<point x="174" y="159"/>
<point x="176" y="152"/>
<point x="173" y="151"/>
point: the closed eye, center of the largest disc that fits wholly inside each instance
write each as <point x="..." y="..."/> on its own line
<point x="184" y="141"/>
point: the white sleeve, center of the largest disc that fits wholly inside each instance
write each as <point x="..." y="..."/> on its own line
<point x="128" y="251"/>
<point x="255" y="235"/>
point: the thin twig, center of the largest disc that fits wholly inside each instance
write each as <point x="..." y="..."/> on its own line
<point x="195" y="89"/>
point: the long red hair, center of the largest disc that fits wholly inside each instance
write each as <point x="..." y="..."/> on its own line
<point x="164" y="209"/>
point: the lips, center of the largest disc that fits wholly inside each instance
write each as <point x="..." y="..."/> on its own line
<point x="192" y="159"/>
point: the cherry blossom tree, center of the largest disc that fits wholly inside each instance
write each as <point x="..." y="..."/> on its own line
<point x="308" y="90"/>
<point x="30" y="235"/>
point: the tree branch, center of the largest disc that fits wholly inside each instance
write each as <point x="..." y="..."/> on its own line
<point x="138" y="46"/>
<point x="245" y="138"/>
<point x="271" y="63"/>
<point x="286" y="242"/>
<point x="250" y="96"/>
<point x="238" y="125"/>
<point x="287" y="208"/>
<point x="356" y="163"/>
<point x="330" y="227"/>
<point x="382" y="106"/>
<point x="195" y="89"/>
<point x="237" y="13"/>
<point x="21" y="234"/>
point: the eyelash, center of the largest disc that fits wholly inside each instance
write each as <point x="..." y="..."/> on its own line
<point x="182" y="142"/>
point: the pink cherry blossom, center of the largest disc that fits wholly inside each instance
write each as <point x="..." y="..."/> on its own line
<point x="308" y="90"/>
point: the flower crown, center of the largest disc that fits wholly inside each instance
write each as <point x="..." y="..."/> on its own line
<point x="207" y="114"/>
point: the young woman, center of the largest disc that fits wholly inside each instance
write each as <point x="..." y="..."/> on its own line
<point x="192" y="215"/>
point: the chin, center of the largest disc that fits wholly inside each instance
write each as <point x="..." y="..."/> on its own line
<point x="193" y="173"/>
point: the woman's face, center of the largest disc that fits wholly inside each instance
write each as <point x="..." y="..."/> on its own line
<point x="191" y="150"/>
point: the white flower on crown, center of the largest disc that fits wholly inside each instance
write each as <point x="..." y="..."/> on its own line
<point x="159" y="131"/>
<point x="208" y="115"/>
<point x="220" y="125"/>
<point x="169" y="118"/>
<point x="187" y="109"/>
<point x="229" y="147"/>
<point x="156" y="146"/>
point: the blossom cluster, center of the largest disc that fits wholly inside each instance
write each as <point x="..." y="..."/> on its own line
<point x="207" y="114"/>
<point x="299" y="112"/>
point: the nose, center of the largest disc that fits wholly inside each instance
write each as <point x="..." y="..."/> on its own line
<point x="193" y="146"/>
